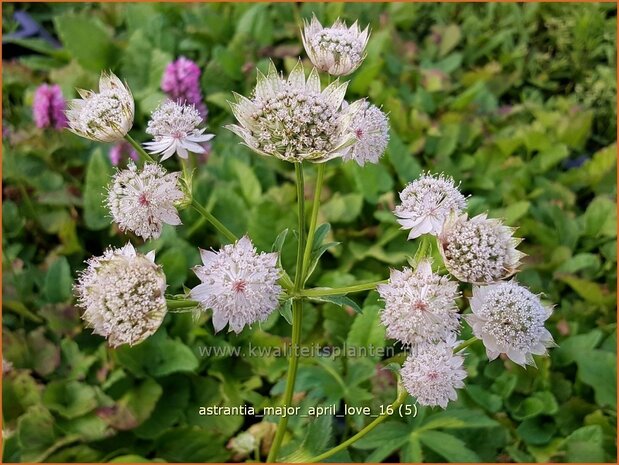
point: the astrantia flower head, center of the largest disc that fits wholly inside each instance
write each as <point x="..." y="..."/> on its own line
<point x="339" y="50"/>
<point x="123" y="295"/>
<point x="509" y="319"/>
<point x="292" y="119"/>
<point x="432" y="373"/>
<point x="48" y="107"/>
<point x="175" y="129"/>
<point x="143" y="200"/>
<point x="238" y="284"/>
<point x="426" y="204"/>
<point x="105" y="116"/>
<point x="419" y="305"/>
<point x="479" y="250"/>
<point x="370" y="127"/>
<point x="181" y="82"/>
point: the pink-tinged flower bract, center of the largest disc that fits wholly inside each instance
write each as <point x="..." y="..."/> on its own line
<point x="432" y="373"/>
<point x="509" y="319"/>
<point x="370" y="127"/>
<point x="142" y="200"/>
<point x="338" y="50"/>
<point x="238" y="284"/>
<point x="426" y="204"/>
<point x="419" y="305"/>
<point x="104" y="116"/>
<point x="479" y="250"/>
<point x="174" y="127"/>
<point x="123" y="295"/>
<point x="293" y="119"/>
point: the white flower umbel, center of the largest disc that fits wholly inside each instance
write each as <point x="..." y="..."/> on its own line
<point x="479" y="250"/>
<point x="338" y="50"/>
<point x="419" y="305"/>
<point x="105" y="116"/>
<point x="292" y="119"/>
<point x="432" y="373"/>
<point x="426" y="204"/>
<point x="174" y="127"/>
<point x="238" y="284"/>
<point x="509" y="319"/>
<point x="123" y="295"/>
<point x="370" y="127"/>
<point x="143" y="200"/>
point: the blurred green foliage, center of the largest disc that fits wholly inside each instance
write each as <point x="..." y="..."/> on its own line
<point x="517" y="102"/>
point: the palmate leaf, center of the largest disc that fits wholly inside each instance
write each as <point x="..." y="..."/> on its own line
<point x="410" y="438"/>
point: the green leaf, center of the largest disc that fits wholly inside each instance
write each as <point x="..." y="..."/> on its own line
<point x="250" y="186"/>
<point x="45" y="355"/>
<point x="285" y="310"/>
<point x="98" y="175"/>
<point x="35" y="432"/>
<point x="279" y="242"/>
<point x="367" y="330"/>
<point x="58" y="281"/>
<point x="448" y="446"/>
<point x="158" y="356"/>
<point x="588" y="290"/>
<point x="192" y="444"/>
<point x="458" y="418"/>
<point x="585" y="445"/>
<point x="600" y="218"/>
<point x="70" y="399"/>
<point x="450" y="37"/>
<point x="339" y="300"/>
<point x="87" y="41"/>
<point x="343" y="208"/>
<point x="598" y="369"/>
<point x="134" y="407"/>
<point x="315" y="441"/>
<point x="536" y="431"/>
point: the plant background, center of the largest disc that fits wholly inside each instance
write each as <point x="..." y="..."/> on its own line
<point x="515" y="101"/>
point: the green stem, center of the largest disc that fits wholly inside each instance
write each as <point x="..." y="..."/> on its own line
<point x="139" y="149"/>
<point x="180" y="303"/>
<point x="321" y="291"/>
<point x="377" y="421"/>
<point x="293" y="363"/>
<point x="297" y="315"/>
<point x="214" y="221"/>
<point x="465" y="344"/>
<point x="298" y="274"/>
<point x="309" y="245"/>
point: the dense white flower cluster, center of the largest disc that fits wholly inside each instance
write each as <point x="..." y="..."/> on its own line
<point x="143" y="200"/>
<point x="370" y="127"/>
<point x="509" y="319"/>
<point x="292" y="118"/>
<point x="419" y="305"/>
<point x="123" y="295"/>
<point x="479" y="250"/>
<point x="105" y="116"/>
<point x="432" y="373"/>
<point x="174" y="127"/>
<point x="238" y="284"/>
<point x="426" y="204"/>
<point x="338" y="50"/>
